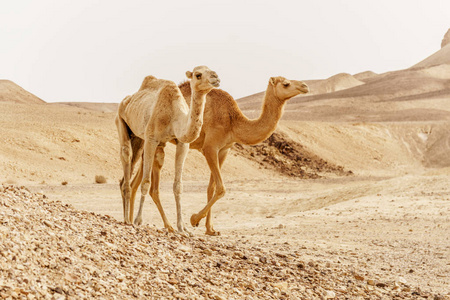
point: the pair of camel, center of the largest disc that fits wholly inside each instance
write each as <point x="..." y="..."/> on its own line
<point x="158" y="113"/>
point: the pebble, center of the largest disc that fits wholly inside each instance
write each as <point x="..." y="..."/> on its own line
<point x="329" y="295"/>
<point x="358" y="277"/>
<point x="184" y="248"/>
<point x="402" y="280"/>
<point x="207" y="252"/>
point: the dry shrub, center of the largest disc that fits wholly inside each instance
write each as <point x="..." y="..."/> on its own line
<point x="100" y="179"/>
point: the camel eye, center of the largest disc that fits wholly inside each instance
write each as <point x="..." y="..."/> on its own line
<point x="286" y="84"/>
<point x="199" y="76"/>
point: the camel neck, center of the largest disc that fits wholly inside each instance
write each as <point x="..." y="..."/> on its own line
<point x="255" y="131"/>
<point x="194" y="118"/>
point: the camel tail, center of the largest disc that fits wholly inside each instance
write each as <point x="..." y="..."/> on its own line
<point x="137" y="146"/>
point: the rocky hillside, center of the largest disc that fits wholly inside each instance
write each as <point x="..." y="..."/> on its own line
<point x="52" y="251"/>
<point x="290" y="158"/>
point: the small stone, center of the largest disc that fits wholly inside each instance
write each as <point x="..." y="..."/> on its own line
<point x="371" y="282"/>
<point x="172" y="281"/>
<point x="381" y="285"/>
<point x="218" y="297"/>
<point x="359" y="277"/>
<point x="402" y="280"/>
<point x="184" y="248"/>
<point x="207" y="252"/>
<point x="48" y="224"/>
<point x="282" y="286"/>
<point x="329" y="295"/>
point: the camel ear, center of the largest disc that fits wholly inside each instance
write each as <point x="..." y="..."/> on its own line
<point x="273" y="81"/>
<point x="189" y="74"/>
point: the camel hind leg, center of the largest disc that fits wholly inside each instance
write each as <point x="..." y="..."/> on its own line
<point x="150" y="145"/>
<point x="137" y="145"/>
<point x="212" y="157"/>
<point x="211" y="190"/>
<point x="125" y="158"/>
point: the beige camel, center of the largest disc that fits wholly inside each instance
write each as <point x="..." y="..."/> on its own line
<point x="156" y="114"/>
<point x="224" y="124"/>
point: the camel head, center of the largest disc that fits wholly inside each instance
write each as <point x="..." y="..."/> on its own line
<point x="285" y="89"/>
<point x="203" y="79"/>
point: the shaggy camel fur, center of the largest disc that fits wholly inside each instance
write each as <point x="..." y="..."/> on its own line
<point x="156" y="114"/>
<point x="225" y="124"/>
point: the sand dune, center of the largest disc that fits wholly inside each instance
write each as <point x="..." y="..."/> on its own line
<point x="11" y="92"/>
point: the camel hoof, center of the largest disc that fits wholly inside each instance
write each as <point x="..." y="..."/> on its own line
<point x="138" y="221"/>
<point x="185" y="233"/>
<point x="194" y="222"/>
<point x="212" y="232"/>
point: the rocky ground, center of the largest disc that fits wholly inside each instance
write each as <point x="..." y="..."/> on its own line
<point x="52" y="251"/>
<point x="287" y="157"/>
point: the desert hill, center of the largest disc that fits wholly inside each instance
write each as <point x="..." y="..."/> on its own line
<point x="442" y="56"/>
<point x="101" y="107"/>
<point x="335" y="83"/>
<point x="411" y="94"/>
<point x="11" y="92"/>
<point x="363" y="76"/>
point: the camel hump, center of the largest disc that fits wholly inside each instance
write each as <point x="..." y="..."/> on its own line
<point x="149" y="82"/>
<point x="169" y="90"/>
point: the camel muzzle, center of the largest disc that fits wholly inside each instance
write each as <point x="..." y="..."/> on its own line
<point x="215" y="82"/>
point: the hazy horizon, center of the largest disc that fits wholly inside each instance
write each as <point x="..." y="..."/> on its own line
<point x="98" y="51"/>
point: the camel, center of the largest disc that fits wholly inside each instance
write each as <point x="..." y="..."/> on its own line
<point x="145" y="121"/>
<point x="225" y="124"/>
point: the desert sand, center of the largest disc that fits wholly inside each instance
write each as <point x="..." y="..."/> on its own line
<point x="349" y="199"/>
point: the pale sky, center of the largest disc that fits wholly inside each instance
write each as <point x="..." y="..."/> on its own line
<point x="99" y="51"/>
